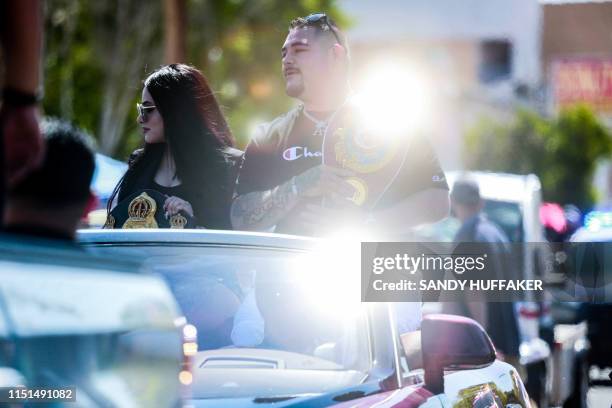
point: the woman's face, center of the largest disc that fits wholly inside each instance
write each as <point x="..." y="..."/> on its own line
<point x="150" y="120"/>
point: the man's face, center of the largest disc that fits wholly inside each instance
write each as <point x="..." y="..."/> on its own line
<point x="305" y="63"/>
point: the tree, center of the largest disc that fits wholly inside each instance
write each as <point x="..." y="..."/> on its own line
<point x="175" y="17"/>
<point x="563" y="151"/>
<point x="125" y="56"/>
<point x="97" y="54"/>
<point x="95" y="57"/>
<point x="237" y="45"/>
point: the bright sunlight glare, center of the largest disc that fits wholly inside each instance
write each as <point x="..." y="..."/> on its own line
<point x="331" y="275"/>
<point x="393" y="99"/>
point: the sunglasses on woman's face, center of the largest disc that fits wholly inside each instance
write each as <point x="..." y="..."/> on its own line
<point x="144" y="110"/>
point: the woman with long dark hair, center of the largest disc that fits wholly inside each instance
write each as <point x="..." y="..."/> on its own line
<point x="188" y="154"/>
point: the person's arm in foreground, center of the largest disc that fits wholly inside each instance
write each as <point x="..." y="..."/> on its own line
<point x="21" y="42"/>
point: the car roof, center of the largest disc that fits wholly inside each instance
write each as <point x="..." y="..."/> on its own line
<point x="500" y="186"/>
<point x="196" y="237"/>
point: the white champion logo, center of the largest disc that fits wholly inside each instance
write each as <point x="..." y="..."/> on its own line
<point x="296" y="152"/>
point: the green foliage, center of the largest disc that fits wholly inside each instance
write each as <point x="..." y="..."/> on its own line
<point x="70" y="68"/>
<point x="95" y="55"/>
<point x="563" y="151"/>
<point x="236" y="43"/>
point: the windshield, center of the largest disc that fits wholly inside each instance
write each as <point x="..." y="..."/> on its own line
<point x="264" y="310"/>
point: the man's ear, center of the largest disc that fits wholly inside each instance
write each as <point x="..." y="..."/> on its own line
<point x="92" y="203"/>
<point x="338" y="52"/>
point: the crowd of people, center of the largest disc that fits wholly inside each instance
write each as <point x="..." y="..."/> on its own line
<point x="192" y="174"/>
<point x="188" y="154"/>
<point x="189" y="165"/>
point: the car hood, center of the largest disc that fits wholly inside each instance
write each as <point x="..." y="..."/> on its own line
<point x="366" y="395"/>
<point x="272" y="382"/>
<point x="250" y="402"/>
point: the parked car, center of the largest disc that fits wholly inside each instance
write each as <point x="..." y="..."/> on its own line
<point x="582" y="330"/>
<point x="101" y="325"/>
<point x="280" y="323"/>
<point x="597" y="233"/>
<point x="107" y="174"/>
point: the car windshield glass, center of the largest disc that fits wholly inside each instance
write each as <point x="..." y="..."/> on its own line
<point x="264" y="310"/>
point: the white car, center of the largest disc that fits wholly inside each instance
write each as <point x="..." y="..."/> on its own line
<point x="280" y="323"/>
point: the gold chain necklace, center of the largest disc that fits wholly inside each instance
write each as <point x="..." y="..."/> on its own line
<point x="320" y="125"/>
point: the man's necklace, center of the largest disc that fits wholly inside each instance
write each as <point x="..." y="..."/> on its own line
<point x="320" y="125"/>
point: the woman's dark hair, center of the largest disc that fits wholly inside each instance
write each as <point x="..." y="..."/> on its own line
<point x="196" y="134"/>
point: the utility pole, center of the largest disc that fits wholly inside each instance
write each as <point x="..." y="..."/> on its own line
<point x="175" y="15"/>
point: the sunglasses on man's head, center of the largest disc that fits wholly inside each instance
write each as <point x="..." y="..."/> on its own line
<point x="316" y="18"/>
<point x="144" y="110"/>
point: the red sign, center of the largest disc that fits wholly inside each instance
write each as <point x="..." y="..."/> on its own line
<point x="583" y="81"/>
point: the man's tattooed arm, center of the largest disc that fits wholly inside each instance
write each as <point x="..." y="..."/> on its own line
<point x="260" y="210"/>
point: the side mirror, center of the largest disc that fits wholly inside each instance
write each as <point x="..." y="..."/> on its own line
<point x="452" y="342"/>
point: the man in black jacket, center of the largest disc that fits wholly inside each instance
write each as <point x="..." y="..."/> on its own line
<point x="498" y="318"/>
<point x="284" y="181"/>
